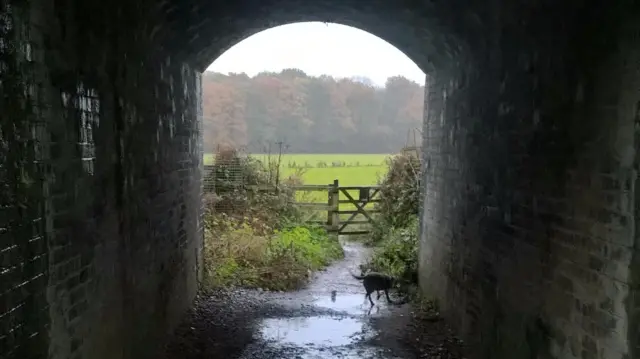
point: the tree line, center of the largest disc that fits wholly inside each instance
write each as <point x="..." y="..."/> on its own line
<point x="309" y="114"/>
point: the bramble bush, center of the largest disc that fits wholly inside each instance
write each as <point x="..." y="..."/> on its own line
<point x="254" y="237"/>
<point x="399" y="193"/>
<point x="395" y="232"/>
<point x="279" y="259"/>
<point x="397" y="254"/>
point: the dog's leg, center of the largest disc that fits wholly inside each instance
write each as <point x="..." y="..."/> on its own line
<point x="370" y="300"/>
<point x="379" y="294"/>
<point x="387" y="294"/>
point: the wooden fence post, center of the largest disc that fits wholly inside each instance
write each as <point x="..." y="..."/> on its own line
<point x="329" y="208"/>
<point x="334" y="207"/>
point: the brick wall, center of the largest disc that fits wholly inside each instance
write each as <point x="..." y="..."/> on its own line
<point x="528" y="221"/>
<point x="23" y="247"/>
<point x="528" y="225"/>
<point x="119" y="182"/>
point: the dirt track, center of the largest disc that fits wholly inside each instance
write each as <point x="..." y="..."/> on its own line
<point x="310" y="323"/>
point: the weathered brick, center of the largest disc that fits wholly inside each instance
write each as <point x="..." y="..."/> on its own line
<point x="573" y="201"/>
<point x="529" y="216"/>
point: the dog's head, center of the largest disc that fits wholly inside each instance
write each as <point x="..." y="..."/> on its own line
<point x="363" y="268"/>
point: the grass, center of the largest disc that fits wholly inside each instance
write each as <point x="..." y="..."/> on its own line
<point x="348" y="176"/>
<point x="314" y="159"/>
<point x="238" y="255"/>
<point x="241" y="251"/>
<point x="356" y="170"/>
<point x="260" y="239"/>
<point x="359" y="170"/>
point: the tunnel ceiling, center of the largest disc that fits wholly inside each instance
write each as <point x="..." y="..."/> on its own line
<point x="426" y="31"/>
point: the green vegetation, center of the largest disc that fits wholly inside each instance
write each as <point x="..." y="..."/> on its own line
<point x="399" y="194"/>
<point x="255" y="238"/>
<point x="395" y="233"/>
<point x="348" y="176"/>
<point x="354" y="170"/>
<point x="263" y="243"/>
<point x="274" y="259"/>
<point x="320" y="115"/>
<point x="397" y="253"/>
<point x="316" y="160"/>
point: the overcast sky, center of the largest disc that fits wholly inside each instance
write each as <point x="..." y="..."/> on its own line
<point x="317" y="49"/>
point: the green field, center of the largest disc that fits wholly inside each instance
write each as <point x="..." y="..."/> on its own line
<point x="355" y="170"/>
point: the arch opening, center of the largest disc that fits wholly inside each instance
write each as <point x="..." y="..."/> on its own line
<point x="525" y="102"/>
<point x="422" y="36"/>
<point x="349" y="66"/>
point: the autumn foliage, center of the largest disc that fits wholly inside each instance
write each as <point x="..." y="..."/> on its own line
<point x="309" y="114"/>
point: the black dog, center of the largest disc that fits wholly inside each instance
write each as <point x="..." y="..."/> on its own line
<point x="376" y="282"/>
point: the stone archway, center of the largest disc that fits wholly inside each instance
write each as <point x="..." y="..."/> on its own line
<point x="529" y="213"/>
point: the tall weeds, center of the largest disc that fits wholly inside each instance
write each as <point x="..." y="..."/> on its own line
<point x="395" y="230"/>
<point x="253" y="233"/>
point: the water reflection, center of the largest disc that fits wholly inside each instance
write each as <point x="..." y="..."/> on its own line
<point x="322" y="331"/>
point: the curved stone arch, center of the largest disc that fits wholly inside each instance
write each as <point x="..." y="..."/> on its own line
<point x="531" y="116"/>
<point x="426" y="38"/>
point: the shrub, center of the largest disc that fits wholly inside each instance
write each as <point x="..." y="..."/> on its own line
<point x="397" y="254"/>
<point x="253" y="235"/>
<point x="246" y="188"/>
<point x="395" y="229"/>
<point x="400" y="191"/>
<point x="399" y="197"/>
<point x="281" y="260"/>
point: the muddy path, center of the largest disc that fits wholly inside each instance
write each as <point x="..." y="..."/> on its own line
<point x="330" y="318"/>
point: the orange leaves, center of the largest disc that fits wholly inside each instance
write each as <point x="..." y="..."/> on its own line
<point x="311" y="114"/>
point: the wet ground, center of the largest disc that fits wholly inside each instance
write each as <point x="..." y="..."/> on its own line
<point x="329" y="319"/>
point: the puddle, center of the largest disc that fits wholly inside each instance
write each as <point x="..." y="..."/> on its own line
<point x="350" y="303"/>
<point x="346" y="353"/>
<point x="321" y="331"/>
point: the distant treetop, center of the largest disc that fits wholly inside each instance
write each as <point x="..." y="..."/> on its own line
<point x="310" y="114"/>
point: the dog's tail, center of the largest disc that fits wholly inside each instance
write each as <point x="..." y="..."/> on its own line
<point x="356" y="277"/>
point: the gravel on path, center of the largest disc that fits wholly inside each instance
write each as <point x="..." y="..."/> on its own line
<point x="330" y="318"/>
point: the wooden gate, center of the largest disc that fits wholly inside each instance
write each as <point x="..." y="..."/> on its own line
<point x="353" y="206"/>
